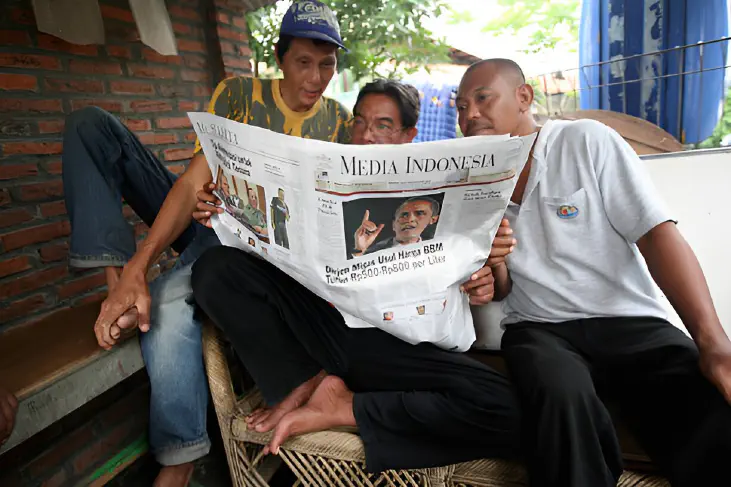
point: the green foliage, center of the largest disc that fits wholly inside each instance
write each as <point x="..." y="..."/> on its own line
<point x="546" y="24"/>
<point x="722" y="129"/>
<point x="375" y="32"/>
<point x="539" y="97"/>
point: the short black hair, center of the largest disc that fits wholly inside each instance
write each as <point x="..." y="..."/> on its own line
<point x="435" y="206"/>
<point x="405" y="96"/>
<point x="285" y="41"/>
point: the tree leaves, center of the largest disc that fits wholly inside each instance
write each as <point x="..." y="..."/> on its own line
<point x="546" y="24"/>
<point x="385" y="37"/>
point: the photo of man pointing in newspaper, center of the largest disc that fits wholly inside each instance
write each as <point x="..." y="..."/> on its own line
<point x="375" y="224"/>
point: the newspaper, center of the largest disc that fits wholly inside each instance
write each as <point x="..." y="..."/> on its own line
<point x="385" y="233"/>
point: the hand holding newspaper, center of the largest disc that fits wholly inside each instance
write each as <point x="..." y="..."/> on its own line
<point x="386" y="233"/>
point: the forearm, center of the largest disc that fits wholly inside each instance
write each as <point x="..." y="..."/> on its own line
<point x="676" y="270"/>
<point x="503" y="283"/>
<point x="175" y="214"/>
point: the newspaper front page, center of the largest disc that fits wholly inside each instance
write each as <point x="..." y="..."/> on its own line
<point x="385" y="233"/>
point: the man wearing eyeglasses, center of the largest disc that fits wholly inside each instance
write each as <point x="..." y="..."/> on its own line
<point x="315" y="372"/>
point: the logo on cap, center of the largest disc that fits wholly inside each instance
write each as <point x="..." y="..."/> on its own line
<point x="315" y="13"/>
<point x="567" y="212"/>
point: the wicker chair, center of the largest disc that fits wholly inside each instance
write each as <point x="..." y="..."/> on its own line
<point x="336" y="457"/>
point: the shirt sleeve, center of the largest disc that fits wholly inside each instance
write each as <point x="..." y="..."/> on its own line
<point x="630" y="199"/>
<point x="219" y="105"/>
<point x="345" y="124"/>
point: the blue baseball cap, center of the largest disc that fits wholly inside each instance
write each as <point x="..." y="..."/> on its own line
<point x="312" y="20"/>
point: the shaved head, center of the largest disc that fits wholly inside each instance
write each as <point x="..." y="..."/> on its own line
<point x="494" y="99"/>
<point x="506" y="67"/>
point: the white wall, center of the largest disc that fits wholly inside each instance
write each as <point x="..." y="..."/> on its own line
<point x="697" y="187"/>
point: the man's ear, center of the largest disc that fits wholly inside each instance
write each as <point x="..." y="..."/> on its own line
<point x="411" y="134"/>
<point x="434" y="220"/>
<point x="525" y="96"/>
<point x="276" y="56"/>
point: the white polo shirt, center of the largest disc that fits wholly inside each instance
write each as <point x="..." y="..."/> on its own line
<point x="587" y="201"/>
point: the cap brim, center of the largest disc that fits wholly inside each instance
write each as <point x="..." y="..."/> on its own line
<point x="309" y="34"/>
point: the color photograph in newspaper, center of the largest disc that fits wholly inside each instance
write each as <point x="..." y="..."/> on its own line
<point x="374" y="224"/>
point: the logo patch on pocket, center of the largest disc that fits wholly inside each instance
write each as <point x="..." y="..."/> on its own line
<point x="567" y="212"/>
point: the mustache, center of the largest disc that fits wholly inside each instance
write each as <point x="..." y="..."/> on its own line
<point x="474" y="126"/>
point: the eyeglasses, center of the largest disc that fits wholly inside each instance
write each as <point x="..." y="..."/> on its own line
<point x="378" y="128"/>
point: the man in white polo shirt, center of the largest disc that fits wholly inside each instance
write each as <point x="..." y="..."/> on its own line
<point x="584" y="318"/>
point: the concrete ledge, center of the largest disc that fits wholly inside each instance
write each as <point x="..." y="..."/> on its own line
<point x="55" y="366"/>
<point x="46" y="406"/>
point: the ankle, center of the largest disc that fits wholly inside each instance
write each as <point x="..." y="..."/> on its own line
<point x="174" y="475"/>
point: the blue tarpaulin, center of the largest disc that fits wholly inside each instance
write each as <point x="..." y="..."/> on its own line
<point x="686" y="105"/>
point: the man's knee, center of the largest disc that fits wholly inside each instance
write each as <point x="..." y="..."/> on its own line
<point x="210" y="269"/>
<point x="87" y="119"/>
<point x="173" y="342"/>
<point x="555" y="380"/>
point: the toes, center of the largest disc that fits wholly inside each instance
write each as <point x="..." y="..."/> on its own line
<point x="280" y="435"/>
<point x="256" y="415"/>
<point x="266" y="424"/>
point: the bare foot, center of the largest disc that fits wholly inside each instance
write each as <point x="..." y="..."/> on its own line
<point x="265" y="419"/>
<point x="174" y="475"/>
<point x="330" y="406"/>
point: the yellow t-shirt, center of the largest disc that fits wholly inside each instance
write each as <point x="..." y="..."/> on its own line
<point x="258" y="102"/>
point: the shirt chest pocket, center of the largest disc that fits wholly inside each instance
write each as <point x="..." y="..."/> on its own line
<point x="565" y="220"/>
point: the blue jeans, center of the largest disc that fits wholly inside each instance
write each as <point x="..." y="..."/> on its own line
<point x="104" y="162"/>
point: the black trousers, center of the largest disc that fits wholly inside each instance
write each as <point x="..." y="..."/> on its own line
<point x="416" y="406"/>
<point x="645" y="366"/>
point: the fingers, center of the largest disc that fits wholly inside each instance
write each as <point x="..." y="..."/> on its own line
<point x="494" y="261"/>
<point x="378" y="230"/>
<point x="484" y="274"/>
<point x="13" y="402"/>
<point x="501" y="251"/>
<point x="203" y="217"/>
<point x="366" y="217"/>
<point x="482" y="299"/>
<point x="7" y="411"/>
<point x="143" y="312"/>
<point x="474" y="287"/>
<point x="369" y="227"/>
<point x="115" y="332"/>
<point x="202" y="206"/>
<point x="110" y="312"/>
<point x="480" y="287"/>
<point x="504" y="241"/>
<point x="102" y="329"/>
<point x="204" y="210"/>
<point x="206" y="194"/>
<point x="128" y="319"/>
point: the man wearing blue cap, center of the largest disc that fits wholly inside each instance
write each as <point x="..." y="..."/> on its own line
<point x="104" y="162"/>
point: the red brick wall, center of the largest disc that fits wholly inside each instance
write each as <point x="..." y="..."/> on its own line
<point x="43" y="79"/>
